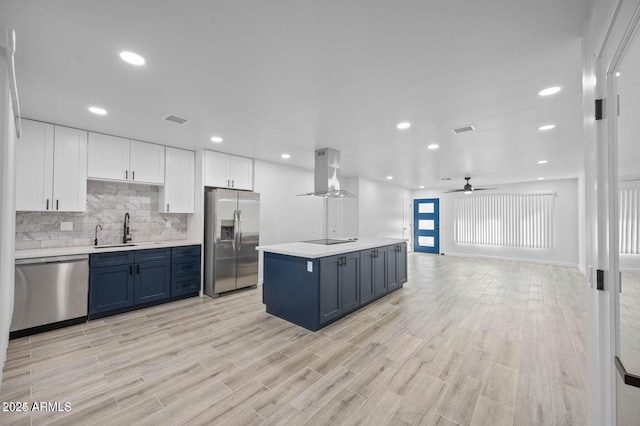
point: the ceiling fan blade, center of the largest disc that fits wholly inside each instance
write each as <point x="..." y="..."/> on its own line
<point x="455" y="190"/>
<point x="482" y="189"/>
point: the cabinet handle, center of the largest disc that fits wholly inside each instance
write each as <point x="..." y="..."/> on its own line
<point x="126" y="174"/>
<point x="130" y="270"/>
<point x="47" y="204"/>
<point x="233" y="183"/>
<point x="57" y="204"/>
<point x="133" y="175"/>
<point x="138" y="269"/>
<point x="228" y="182"/>
<point x="167" y="206"/>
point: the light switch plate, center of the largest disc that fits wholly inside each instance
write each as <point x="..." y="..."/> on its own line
<point x="66" y="226"/>
<point x="309" y="266"/>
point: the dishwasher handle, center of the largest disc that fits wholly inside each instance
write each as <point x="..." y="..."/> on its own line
<point x="52" y="259"/>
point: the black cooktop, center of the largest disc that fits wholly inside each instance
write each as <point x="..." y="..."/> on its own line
<point x="328" y="241"/>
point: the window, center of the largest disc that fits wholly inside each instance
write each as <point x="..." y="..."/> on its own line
<point x="629" y="208"/>
<point x="510" y="220"/>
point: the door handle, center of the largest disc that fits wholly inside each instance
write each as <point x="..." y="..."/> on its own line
<point x="239" y="227"/>
<point x="130" y="269"/>
<point x="138" y="269"/>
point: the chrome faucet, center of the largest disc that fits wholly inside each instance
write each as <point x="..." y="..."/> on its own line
<point x="95" y="242"/>
<point x="127" y="234"/>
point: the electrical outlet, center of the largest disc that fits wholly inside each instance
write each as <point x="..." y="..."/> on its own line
<point x="168" y="224"/>
<point x="66" y="226"/>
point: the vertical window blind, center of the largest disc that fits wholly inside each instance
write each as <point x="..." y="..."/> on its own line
<point x="629" y="216"/>
<point x="510" y="220"/>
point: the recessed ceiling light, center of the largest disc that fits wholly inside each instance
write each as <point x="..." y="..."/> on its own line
<point x="389" y="177"/>
<point x="540" y="178"/>
<point x="433" y="146"/>
<point x="98" y="110"/>
<point x="285" y="156"/>
<point x="549" y="91"/>
<point x="547" y="127"/>
<point x="403" y="125"/>
<point x="132" y="58"/>
<point x="216" y="139"/>
<point x="542" y="162"/>
<point x="618" y="74"/>
<point x="421" y="186"/>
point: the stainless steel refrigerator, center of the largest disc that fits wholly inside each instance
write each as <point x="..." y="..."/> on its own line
<point x="230" y="240"/>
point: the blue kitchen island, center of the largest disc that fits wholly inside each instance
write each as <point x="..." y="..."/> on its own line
<point x="313" y="285"/>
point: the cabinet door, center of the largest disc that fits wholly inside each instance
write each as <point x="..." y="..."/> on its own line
<point x="108" y="157"/>
<point x="185" y="285"/>
<point x="110" y="288"/>
<point x="330" y="294"/>
<point x="216" y="169"/>
<point x="367" y="289"/>
<point x="241" y="172"/>
<point x="380" y="271"/>
<point x="177" y="195"/>
<point x="146" y="163"/>
<point x="34" y="167"/>
<point x="153" y="281"/>
<point x="392" y="268"/>
<point x="402" y="264"/>
<point x="70" y="170"/>
<point x="350" y="282"/>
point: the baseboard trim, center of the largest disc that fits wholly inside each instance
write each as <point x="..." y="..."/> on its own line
<point x="516" y="259"/>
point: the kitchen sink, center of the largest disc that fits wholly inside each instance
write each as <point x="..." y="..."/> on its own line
<point x="114" y="245"/>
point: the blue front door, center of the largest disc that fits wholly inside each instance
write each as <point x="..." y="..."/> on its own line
<point x="426" y="225"/>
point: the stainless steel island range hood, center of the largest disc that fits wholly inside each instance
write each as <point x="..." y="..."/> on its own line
<point x="327" y="175"/>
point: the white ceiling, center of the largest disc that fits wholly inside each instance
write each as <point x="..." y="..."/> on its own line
<point x="295" y="75"/>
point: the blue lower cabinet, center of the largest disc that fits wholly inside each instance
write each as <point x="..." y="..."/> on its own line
<point x="396" y="266"/>
<point x="185" y="271"/>
<point x="339" y="285"/>
<point x="330" y="292"/>
<point x="111" y="288"/>
<point x="127" y="280"/>
<point x="153" y="281"/>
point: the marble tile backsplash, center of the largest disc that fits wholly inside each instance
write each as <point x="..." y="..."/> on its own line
<point x="107" y="203"/>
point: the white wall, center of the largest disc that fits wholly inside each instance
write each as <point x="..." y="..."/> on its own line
<point x="7" y="210"/>
<point x="565" y="224"/>
<point x="380" y="207"/>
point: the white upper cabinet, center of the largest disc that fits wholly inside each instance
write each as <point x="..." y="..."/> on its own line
<point x="241" y="172"/>
<point x="51" y="168"/>
<point x="70" y="169"/>
<point x="228" y="171"/>
<point x="146" y="163"/>
<point x="178" y="193"/>
<point x="114" y="158"/>
<point x="108" y="157"/>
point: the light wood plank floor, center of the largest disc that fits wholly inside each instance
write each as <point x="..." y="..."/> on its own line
<point x="467" y="342"/>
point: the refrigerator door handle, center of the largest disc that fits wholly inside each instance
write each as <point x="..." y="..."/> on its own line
<point x="239" y="233"/>
<point x="234" y="241"/>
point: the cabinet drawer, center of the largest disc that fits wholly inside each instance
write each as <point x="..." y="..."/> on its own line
<point x="185" y="285"/>
<point x="185" y="266"/>
<point x="153" y="254"/>
<point x="111" y="259"/>
<point x="186" y="251"/>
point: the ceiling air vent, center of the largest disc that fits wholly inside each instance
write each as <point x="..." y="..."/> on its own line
<point x="176" y="119"/>
<point x="462" y="129"/>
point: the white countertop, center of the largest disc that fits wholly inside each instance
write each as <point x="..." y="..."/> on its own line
<point x="313" y="251"/>
<point x="66" y="251"/>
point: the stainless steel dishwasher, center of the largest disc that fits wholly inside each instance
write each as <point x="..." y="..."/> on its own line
<point x="49" y="292"/>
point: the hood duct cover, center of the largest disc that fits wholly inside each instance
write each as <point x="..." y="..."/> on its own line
<point x="327" y="175"/>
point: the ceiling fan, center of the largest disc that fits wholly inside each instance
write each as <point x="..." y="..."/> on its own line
<point x="468" y="189"/>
